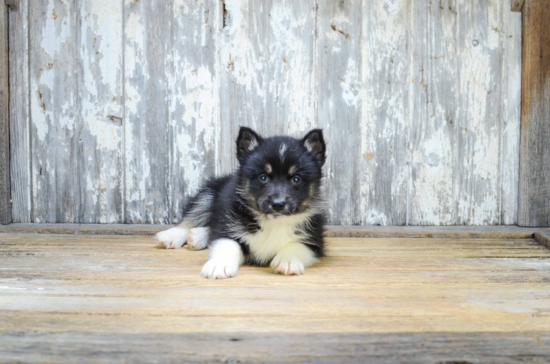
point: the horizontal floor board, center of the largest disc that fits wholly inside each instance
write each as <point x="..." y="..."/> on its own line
<point x="95" y="287"/>
<point x="244" y="347"/>
<point x="454" y="232"/>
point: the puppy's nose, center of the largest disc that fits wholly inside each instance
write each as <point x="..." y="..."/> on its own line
<point x="278" y="205"/>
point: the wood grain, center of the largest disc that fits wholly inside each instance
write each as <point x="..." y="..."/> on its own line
<point x="194" y="100"/>
<point x="20" y="141"/>
<point x="479" y="126"/>
<point x="147" y="31"/>
<point x="385" y="109"/>
<point x="87" y="290"/>
<point x="415" y="348"/>
<point x="5" y="194"/>
<point x="266" y="71"/>
<point x="534" y="183"/>
<point x="55" y="111"/>
<point x="338" y="52"/>
<point x="517" y="5"/>
<point x="333" y="231"/>
<point x="543" y="238"/>
<point x="510" y="76"/>
<point x="419" y="102"/>
<point x="100" y="111"/>
<point x="432" y="134"/>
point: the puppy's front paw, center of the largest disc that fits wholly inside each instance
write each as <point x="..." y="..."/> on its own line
<point x="173" y="238"/>
<point x="287" y="265"/>
<point x="198" y="238"/>
<point x="220" y="268"/>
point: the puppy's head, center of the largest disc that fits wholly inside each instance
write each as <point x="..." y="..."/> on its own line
<point x="280" y="176"/>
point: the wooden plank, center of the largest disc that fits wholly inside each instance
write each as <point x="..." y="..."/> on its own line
<point x="100" y="111"/>
<point x="5" y="193"/>
<point x="338" y="62"/>
<point x="267" y="66"/>
<point x="534" y="182"/>
<point x="543" y="238"/>
<point x="510" y="74"/>
<point x="20" y="148"/>
<point x="194" y="100"/>
<point x="479" y="119"/>
<point x="238" y="347"/>
<point x="454" y="232"/>
<point x="385" y="121"/>
<point x="147" y="47"/>
<point x="370" y="300"/>
<point x="433" y="98"/>
<point x="517" y="5"/>
<point x="54" y="111"/>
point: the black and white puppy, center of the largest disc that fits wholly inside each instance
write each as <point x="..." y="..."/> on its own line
<point x="268" y="213"/>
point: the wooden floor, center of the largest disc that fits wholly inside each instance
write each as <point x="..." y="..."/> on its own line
<point x="93" y="298"/>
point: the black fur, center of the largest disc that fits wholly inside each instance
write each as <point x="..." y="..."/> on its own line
<point x="233" y="206"/>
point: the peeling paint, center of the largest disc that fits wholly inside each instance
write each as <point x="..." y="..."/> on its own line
<point x="141" y="101"/>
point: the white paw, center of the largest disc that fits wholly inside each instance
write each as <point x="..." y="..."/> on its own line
<point x="287" y="265"/>
<point x="173" y="238"/>
<point x="220" y="268"/>
<point x="198" y="238"/>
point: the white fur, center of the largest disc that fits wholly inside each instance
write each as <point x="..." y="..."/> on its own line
<point x="253" y="144"/>
<point x="292" y="259"/>
<point x="198" y="238"/>
<point x="282" y="150"/>
<point x="225" y="259"/>
<point x="173" y="238"/>
<point x="274" y="236"/>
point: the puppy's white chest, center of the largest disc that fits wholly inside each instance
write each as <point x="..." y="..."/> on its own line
<point x="273" y="236"/>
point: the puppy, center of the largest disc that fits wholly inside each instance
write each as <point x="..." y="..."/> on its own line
<point x="268" y="213"/>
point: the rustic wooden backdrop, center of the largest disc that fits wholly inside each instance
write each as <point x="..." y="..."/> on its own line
<point x="120" y="108"/>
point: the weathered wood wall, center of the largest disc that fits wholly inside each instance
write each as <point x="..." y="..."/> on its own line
<point x="122" y="108"/>
<point x="5" y="195"/>
<point x="534" y="201"/>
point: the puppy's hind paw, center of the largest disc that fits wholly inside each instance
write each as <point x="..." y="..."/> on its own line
<point x="198" y="238"/>
<point x="287" y="265"/>
<point x="173" y="238"/>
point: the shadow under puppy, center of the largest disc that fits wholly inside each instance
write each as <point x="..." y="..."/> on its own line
<point x="267" y="213"/>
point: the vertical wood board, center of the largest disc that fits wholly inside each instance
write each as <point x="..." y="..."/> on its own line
<point x="511" y="116"/>
<point x="5" y="194"/>
<point x="385" y="109"/>
<point x="534" y="181"/>
<point x="54" y="109"/>
<point x="147" y="36"/>
<point x="100" y="112"/>
<point x="338" y="88"/>
<point x="20" y="147"/>
<point x="193" y="96"/>
<point x="433" y="98"/>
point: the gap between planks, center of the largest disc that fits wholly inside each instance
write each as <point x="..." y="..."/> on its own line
<point x="454" y="232"/>
<point x="541" y="235"/>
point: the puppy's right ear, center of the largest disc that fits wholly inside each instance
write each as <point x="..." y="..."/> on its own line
<point x="247" y="142"/>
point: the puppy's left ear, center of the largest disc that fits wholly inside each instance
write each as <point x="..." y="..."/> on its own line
<point x="247" y="141"/>
<point x="315" y="144"/>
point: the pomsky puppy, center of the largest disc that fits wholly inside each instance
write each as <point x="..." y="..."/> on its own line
<point x="267" y="213"/>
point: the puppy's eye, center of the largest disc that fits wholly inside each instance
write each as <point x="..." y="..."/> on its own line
<point x="263" y="178"/>
<point x="296" y="179"/>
